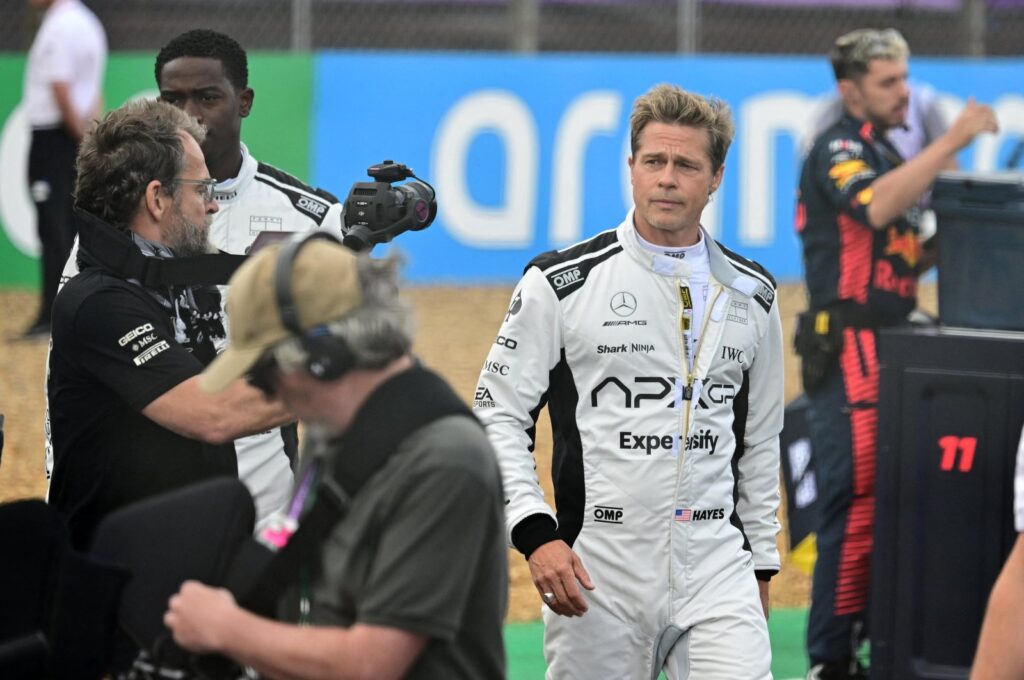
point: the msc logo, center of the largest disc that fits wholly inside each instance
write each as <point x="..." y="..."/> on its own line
<point x="315" y="208"/>
<point x="566" y="278"/>
<point x="607" y="514"/>
<point x="623" y="303"/>
<point x="507" y="343"/>
<point x="483" y="398"/>
<point x="495" y="367"/>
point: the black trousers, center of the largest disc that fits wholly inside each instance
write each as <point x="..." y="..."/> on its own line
<point x="51" y="177"/>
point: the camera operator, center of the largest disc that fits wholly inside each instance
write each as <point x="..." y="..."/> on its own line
<point x="413" y="581"/>
<point x="127" y="418"/>
<point x="206" y="74"/>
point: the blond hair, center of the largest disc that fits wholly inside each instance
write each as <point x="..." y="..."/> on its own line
<point x="671" y="104"/>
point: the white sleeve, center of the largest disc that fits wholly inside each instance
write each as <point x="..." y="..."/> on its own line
<point x="58" y="62"/>
<point x="513" y="387"/>
<point x="1018" y="488"/>
<point x="334" y="221"/>
<point x="758" y="482"/>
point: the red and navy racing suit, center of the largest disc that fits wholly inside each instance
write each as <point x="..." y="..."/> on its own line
<point x="867" y="278"/>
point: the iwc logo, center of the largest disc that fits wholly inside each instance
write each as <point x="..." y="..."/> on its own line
<point x="623" y="303"/>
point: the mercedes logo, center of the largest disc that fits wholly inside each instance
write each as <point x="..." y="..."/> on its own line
<point x="623" y="303"/>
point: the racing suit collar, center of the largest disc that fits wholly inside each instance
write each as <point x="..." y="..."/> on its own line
<point x="722" y="269"/>
<point x="228" y="190"/>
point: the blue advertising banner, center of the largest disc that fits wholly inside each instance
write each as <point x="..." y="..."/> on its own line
<point x="528" y="153"/>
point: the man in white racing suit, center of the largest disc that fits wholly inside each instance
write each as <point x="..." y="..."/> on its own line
<point x="659" y="355"/>
<point x="206" y="74"/>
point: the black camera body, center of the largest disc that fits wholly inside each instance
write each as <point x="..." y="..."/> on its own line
<point x="376" y="212"/>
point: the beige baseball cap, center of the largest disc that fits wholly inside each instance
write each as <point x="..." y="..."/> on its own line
<point x="324" y="288"/>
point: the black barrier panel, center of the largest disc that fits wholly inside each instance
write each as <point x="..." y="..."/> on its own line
<point x="950" y="411"/>
<point x="798" y="472"/>
<point x="980" y="233"/>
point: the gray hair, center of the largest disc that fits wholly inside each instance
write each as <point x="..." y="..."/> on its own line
<point x="852" y="52"/>
<point x="378" y="331"/>
<point x="132" y="146"/>
<point x="671" y="104"/>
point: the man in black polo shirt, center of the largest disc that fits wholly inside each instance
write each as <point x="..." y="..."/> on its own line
<point x="128" y="419"/>
<point x="857" y="220"/>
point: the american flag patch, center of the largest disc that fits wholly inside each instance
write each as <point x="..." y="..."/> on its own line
<point x="683" y="514"/>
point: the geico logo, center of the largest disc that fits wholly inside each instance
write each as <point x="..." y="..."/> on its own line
<point x="311" y="206"/>
<point x="506" y="342"/>
<point x="645" y="442"/>
<point x="134" y="333"/>
<point x="703" y="440"/>
<point x="566" y="278"/>
<point x="660" y="388"/>
<point x="607" y="514"/>
<point x="717" y="394"/>
<point x="495" y="367"/>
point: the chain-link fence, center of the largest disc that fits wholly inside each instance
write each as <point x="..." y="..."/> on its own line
<point x="933" y="27"/>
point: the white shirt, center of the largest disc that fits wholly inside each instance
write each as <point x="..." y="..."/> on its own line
<point x="71" y="48"/>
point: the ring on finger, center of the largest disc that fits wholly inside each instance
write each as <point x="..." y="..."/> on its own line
<point x="548" y="598"/>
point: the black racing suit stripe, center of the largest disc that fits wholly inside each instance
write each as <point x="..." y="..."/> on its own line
<point x="567" y="453"/>
<point x="740" y="406"/>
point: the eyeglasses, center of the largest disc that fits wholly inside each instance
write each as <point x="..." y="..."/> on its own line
<point x="208" y="185"/>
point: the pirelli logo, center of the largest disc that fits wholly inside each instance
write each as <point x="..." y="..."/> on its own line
<point x="151" y="352"/>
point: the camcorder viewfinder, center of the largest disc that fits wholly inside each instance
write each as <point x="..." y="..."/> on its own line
<point x="376" y="212"/>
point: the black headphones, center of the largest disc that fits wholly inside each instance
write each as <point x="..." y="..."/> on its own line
<point x="328" y="356"/>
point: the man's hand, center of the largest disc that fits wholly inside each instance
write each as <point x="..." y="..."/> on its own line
<point x="201" y="617"/>
<point x="762" y="589"/>
<point x="555" y="569"/>
<point x="973" y="120"/>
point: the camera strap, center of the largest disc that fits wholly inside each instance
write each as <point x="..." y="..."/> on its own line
<point x="113" y="251"/>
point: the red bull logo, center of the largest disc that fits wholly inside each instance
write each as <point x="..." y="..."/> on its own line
<point x="905" y="245"/>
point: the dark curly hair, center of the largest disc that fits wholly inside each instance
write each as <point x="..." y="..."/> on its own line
<point x="132" y="146"/>
<point x="208" y="44"/>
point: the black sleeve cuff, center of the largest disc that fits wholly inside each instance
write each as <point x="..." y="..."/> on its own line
<point x="765" y="574"/>
<point x="533" y="532"/>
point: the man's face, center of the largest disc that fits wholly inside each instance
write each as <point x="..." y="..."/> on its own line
<point x="672" y="180"/>
<point x="199" y="86"/>
<point x="186" y="228"/>
<point x="883" y="93"/>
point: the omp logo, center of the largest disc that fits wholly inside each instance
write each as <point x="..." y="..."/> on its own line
<point x="134" y="333"/>
<point x="732" y="354"/>
<point x="646" y="442"/>
<point x="607" y="514"/>
<point x="507" y="343"/>
<point x="495" y="367"/>
<point x="703" y="440"/>
<point x="766" y="294"/>
<point x="566" y="278"/>
<point x="691" y="515"/>
<point x="659" y="389"/>
<point x="312" y="207"/>
<point x="623" y="303"/>
<point x="151" y="352"/>
<point x="483" y="398"/>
